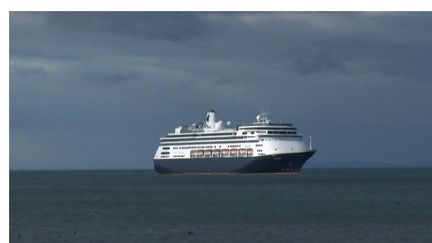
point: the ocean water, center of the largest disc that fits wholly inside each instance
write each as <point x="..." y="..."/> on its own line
<point x="319" y="205"/>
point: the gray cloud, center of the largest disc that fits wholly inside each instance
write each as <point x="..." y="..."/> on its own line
<point x="176" y="26"/>
<point x="97" y="90"/>
<point x="320" y="61"/>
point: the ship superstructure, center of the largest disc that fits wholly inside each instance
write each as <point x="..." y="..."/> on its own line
<point x="216" y="147"/>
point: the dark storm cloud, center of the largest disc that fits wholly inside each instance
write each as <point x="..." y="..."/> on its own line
<point x="97" y="90"/>
<point x="175" y="26"/>
<point x="320" y="61"/>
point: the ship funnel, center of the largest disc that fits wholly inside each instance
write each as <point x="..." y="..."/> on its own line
<point x="211" y="118"/>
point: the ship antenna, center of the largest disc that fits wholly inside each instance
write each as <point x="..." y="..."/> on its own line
<point x="310" y="142"/>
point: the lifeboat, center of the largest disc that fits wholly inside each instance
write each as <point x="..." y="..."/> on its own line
<point x="233" y="152"/>
<point x="225" y="153"/>
<point x="199" y="153"/>
<point x="207" y="153"/>
<point x="242" y="152"/>
<point x="249" y="152"/>
<point x="216" y="153"/>
<point x="193" y="153"/>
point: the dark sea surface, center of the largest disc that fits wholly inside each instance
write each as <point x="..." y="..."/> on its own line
<point x="319" y="205"/>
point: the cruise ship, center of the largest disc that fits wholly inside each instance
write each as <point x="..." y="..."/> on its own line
<point x="213" y="146"/>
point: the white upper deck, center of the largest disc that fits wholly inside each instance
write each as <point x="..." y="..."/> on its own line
<point x="213" y="127"/>
<point x="209" y="126"/>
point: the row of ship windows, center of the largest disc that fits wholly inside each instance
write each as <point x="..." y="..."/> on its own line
<point x="217" y="134"/>
<point x="187" y="147"/>
<point x="214" y="151"/>
<point x="200" y="135"/>
<point x="204" y="138"/>
<point x="196" y="147"/>
<point x="280" y="132"/>
<point x="270" y="128"/>
<point x="193" y="147"/>
<point x="224" y="153"/>
<point x="243" y="133"/>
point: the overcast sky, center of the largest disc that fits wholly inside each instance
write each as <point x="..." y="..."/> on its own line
<point x="97" y="90"/>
